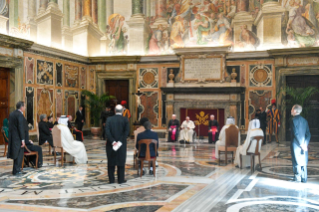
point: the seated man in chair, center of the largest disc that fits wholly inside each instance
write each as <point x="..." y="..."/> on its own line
<point x="45" y="135"/>
<point x="253" y="130"/>
<point x="71" y="146"/>
<point x="222" y="136"/>
<point x="33" y="148"/>
<point x="187" y="130"/>
<point x="78" y="133"/>
<point x="147" y="134"/>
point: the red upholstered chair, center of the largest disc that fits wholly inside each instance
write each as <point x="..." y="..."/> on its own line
<point x="5" y="142"/>
<point x="28" y="153"/>
<point x="148" y="157"/>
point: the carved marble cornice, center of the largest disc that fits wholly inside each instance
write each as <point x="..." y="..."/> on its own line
<point x="58" y="53"/>
<point x="162" y="58"/>
<point x="202" y="50"/>
<point x="247" y="55"/>
<point x="115" y="59"/>
<point x="202" y="90"/>
<point x="13" y="42"/>
<point x="293" y="51"/>
<point x="10" y="62"/>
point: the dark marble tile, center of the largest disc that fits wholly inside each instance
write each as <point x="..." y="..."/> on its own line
<point x="191" y="168"/>
<point x="155" y="193"/>
<point x="147" y="208"/>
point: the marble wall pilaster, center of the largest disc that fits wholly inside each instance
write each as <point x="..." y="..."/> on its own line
<point x="137" y="7"/>
<point x="102" y="15"/>
<point x="66" y="13"/>
<point x="78" y="11"/>
<point x="32" y="9"/>
<point x="109" y="8"/>
<point x="94" y="11"/>
<point x="13" y="13"/>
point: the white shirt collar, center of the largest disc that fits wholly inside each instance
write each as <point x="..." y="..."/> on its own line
<point x="20" y="111"/>
<point x="118" y="114"/>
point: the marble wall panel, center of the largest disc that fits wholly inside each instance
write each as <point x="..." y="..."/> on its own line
<point x="29" y="70"/>
<point x="71" y="76"/>
<point x="71" y="99"/>
<point x="29" y="95"/>
<point x="260" y="75"/>
<point x="44" y="102"/>
<point x="59" y="102"/>
<point x="148" y="78"/>
<point x="59" y="74"/>
<point x="44" y="72"/>
<point x="83" y="77"/>
<point x="257" y="99"/>
<point x="91" y="79"/>
<point x="150" y="107"/>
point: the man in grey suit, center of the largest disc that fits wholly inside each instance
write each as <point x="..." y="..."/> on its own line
<point x="117" y="129"/>
<point x="17" y="137"/>
<point x="300" y="135"/>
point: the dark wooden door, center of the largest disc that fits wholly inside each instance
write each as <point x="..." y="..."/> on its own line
<point x="313" y="120"/>
<point x="4" y="97"/>
<point x="119" y="89"/>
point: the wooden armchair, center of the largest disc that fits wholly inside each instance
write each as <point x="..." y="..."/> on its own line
<point x="57" y="143"/>
<point x="28" y="153"/>
<point x="46" y="143"/>
<point x="254" y="151"/>
<point x="148" y="157"/>
<point x="5" y="142"/>
<point x="231" y="143"/>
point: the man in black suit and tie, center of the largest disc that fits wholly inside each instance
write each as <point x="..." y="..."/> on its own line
<point x="147" y="134"/>
<point x="80" y="119"/>
<point x="45" y="134"/>
<point x="17" y="137"/>
<point x="117" y="129"/>
<point x="33" y="148"/>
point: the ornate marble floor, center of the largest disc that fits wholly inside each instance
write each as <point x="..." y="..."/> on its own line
<point x="188" y="180"/>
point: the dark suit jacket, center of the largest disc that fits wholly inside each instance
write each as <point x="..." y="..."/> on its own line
<point x="147" y="134"/>
<point x="79" y="117"/>
<point x="300" y="135"/>
<point x="44" y="133"/>
<point x="262" y="118"/>
<point x="16" y="133"/>
<point x="116" y="129"/>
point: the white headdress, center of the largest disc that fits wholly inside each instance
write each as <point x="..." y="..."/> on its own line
<point x="63" y="120"/>
<point x="230" y="120"/>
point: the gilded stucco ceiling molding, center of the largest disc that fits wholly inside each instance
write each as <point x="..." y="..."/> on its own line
<point x="13" y="42"/>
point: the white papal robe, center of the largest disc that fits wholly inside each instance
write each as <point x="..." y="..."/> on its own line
<point x="187" y="131"/>
<point x="71" y="146"/>
<point x="242" y="149"/>
<point x="222" y="139"/>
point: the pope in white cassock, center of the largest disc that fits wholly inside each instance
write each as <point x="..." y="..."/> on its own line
<point x="186" y="134"/>
<point x="222" y="136"/>
<point x="71" y="146"/>
<point x="253" y="130"/>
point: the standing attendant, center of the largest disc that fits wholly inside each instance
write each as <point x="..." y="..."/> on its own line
<point x="117" y="129"/>
<point x="173" y="129"/>
<point x="126" y="112"/>
<point x="213" y="130"/>
<point x="80" y="119"/>
<point x="104" y="115"/>
<point x="17" y="137"/>
<point x="300" y="134"/>
<point x="274" y="120"/>
<point x="262" y="116"/>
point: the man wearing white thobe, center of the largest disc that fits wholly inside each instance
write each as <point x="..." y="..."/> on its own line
<point x="253" y="130"/>
<point x="187" y="130"/>
<point x="71" y="146"/>
<point x="222" y="136"/>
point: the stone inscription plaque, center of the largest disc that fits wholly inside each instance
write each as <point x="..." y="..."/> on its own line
<point x="202" y="68"/>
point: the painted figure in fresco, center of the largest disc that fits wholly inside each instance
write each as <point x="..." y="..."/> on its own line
<point x="248" y="39"/>
<point x="173" y="129"/>
<point x="291" y="38"/>
<point x="303" y="33"/>
<point x="232" y="10"/>
<point x="176" y="33"/>
<point x="300" y="135"/>
<point x="202" y="26"/>
<point x="116" y="23"/>
<point x="274" y="120"/>
<point x="223" y="31"/>
<point x="155" y="43"/>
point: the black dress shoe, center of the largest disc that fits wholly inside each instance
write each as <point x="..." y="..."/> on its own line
<point x="57" y="154"/>
<point x="19" y="173"/>
<point x="151" y="172"/>
<point x="123" y="182"/>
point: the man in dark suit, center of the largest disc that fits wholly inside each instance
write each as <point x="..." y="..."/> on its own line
<point x="300" y="135"/>
<point x="78" y="134"/>
<point x="45" y="134"/>
<point x="262" y="116"/>
<point x="80" y="119"/>
<point x="104" y="115"/>
<point x="34" y="148"/>
<point x="117" y="129"/>
<point x="147" y="134"/>
<point x="17" y="137"/>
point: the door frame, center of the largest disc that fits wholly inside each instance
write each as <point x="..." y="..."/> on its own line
<point x="281" y="75"/>
<point x="120" y="75"/>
